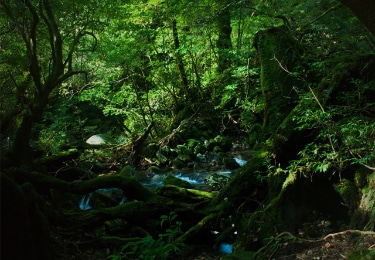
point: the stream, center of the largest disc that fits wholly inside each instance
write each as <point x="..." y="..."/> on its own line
<point x="194" y="177"/>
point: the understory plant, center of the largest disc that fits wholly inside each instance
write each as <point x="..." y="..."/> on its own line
<point x="148" y="248"/>
<point x="344" y="136"/>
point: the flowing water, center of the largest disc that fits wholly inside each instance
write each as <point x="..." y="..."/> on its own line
<point x="194" y="177"/>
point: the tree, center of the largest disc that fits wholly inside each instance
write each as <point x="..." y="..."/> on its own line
<point x="364" y="10"/>
<point x="52" y="36"/>
<point x="224" y="43"/>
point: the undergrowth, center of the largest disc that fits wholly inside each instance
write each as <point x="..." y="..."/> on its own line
<point x="148" y="248"/>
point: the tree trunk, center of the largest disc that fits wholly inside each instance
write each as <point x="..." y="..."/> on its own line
<point x="21" y="150"/>
<point x="41" y="27"/>
<point x="179" y="62"/>
<point x="224" y="42"/>
<point x="278" y="54"/>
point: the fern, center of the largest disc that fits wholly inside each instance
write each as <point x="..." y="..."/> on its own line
<point x="149" y="248"/>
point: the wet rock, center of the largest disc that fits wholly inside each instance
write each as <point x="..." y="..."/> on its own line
<point x="172" y="180"/>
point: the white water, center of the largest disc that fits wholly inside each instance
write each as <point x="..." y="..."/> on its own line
<point x="111" y="193"/>
<point x="193" y="177"/>
<point x="84" y="203"/>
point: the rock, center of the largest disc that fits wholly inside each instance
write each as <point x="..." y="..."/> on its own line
<point x="172" y="180"/>
<point x="98" y="140"/>
<point x="230" y="163"/>
<point x="217" y="181"/>
<point x="128" y="172"/>
<point x="150" y="150"/>
<point x="153" y="169"/>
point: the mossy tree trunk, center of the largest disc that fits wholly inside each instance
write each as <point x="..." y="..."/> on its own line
<point x="278" y="54"/>
<point x="224" y="42"/>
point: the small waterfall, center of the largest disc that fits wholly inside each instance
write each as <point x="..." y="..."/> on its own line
<point x="123" y="199"/>
<point x="192" y="178"/>
<point x="84" y="203"/>
<point x="111" y="193"/>
<point x="241" y="162"/>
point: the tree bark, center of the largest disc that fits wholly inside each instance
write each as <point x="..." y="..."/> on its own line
<point x="224" y="42"/>
<point x="179" y="62"/>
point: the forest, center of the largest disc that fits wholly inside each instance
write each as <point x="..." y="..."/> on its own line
<point x="176" y="129"/>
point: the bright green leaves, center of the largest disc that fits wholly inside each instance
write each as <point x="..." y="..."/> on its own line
<point x="358" y="138"/>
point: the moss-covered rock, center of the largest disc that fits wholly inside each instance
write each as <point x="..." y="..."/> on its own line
<point x="128" y="172"/>
<point x="177" y="163"/>
<point x="230" y="163"/>
<point x="150" y="150"/>
<point x="223" y="142"/>
<point x="217" y="181"/>
<point x="172" y="180"/>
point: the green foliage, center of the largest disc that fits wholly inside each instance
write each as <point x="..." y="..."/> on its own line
<point x="340" y="142"/>
<point x="217" y="181"/>
<point x="148" y="248"/>
<point x="361" y="254"/>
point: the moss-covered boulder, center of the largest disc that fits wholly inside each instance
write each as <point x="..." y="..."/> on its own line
<point x="230" y="163"/>
<point x="172" y="180"/>
<point x="216" y="181"/>
<point x="150" y="150"/>
<point x="223" y="142"/>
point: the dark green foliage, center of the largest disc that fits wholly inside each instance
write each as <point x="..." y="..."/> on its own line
<point x="361" y="254"/>
<point x="148" y="248"/>
<point x="302" y="94"/>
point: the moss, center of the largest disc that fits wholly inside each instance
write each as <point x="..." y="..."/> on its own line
<point x="277" y="50"/>
<point x="150" y="150"/>
<point x="361" y="254"/>
<point x="128" y="172"/>
<point x="192" y="143"/>
<point x="349" y="193"/>
<point x="360" y="177"/>
<point x="275" y="182"/>
<point x="171" y="180"/>
<point x="178" y="163"/>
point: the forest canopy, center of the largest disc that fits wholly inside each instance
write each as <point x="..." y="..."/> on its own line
<point x="98" y="95"/>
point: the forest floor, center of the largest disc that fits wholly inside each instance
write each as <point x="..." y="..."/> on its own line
<point x="327" y="244"/>
<point x="284" y="247"/>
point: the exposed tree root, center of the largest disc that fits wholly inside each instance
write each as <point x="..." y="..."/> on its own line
<point x="333" y="246"/>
